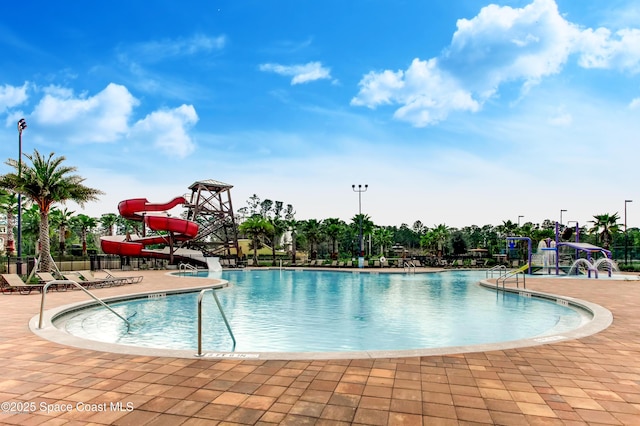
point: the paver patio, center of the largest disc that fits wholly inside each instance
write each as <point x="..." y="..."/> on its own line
<point x="592" y="380"/>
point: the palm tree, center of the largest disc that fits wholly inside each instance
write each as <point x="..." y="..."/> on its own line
<point x="256" y="227"/>
<point x="428" y="241"/>
<point x="61" y="219"/>
<point x="383" y="237"/>
<point x="604" y="226"/>
<point x="46" y="182"/>
<point x="333" y="228"/>
<point x="108" y="221"/>
<point x="441" y="235"/>
<point x="312" y="230"/>
<point x="364" y="221"/>
<point x="85" y="224"/>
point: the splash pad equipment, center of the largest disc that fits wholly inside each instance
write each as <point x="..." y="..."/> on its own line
<point x="549" y="255"/>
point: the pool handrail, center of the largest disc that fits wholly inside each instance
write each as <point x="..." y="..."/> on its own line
<point x="407" y="266"/>
<point x="511" y="274"/>
<point x="224" y="317"/>
<point x="184" y="267"/>
<point x="501" y="269"/>
<point x="94" y="297"/>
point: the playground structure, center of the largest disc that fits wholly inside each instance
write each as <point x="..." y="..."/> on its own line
<point x="207" y="229"/>
<point x="548" y="259"/>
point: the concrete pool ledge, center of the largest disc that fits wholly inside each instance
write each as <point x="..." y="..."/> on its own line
<point x="600" y="319"/>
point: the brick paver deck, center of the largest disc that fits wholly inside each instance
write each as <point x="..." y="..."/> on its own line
<point x="592" y="380"/>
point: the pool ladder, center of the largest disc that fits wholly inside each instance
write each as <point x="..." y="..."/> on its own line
<point x="516" y="273"/>
<point x="408" y="267"/>
<point x="93" y="296"/>
<point x="224" y="317"/>
<point x="184" y="267"/>
<point x="499" y="269"/>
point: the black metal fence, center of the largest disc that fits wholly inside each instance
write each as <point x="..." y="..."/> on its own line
<point x="25" y="265"/>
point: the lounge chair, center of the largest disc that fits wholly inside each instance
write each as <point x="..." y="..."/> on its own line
<point x="86" y="279"/>
<point x="126" y="279"/>
<point x="47" y="277"/>
<point x="13" y="282"/>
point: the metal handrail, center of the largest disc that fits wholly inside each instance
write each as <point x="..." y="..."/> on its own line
<point x="498" y="268"/>
<point x="224" y="317"/>
<point x="408" y="266"/>
<point x="511" y="274"/>
<point x="186" y="266"/>
<point x="94" y="297"/>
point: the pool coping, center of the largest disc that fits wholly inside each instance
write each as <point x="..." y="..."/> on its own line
<point x="601" y="319"/>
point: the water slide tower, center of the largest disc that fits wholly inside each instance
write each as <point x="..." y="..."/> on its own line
<point x="209" y="205"/>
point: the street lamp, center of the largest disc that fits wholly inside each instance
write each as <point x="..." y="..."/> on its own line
<point x="561" y="210"/>
<point x="22" y="124"/>
<point x="626" y="237"/>
<point x="360" y="190"/>
<point x="519" y="220"/>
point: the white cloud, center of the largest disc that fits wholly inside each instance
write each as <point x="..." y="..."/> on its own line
<point x="635" y="103"/>
<point x="305" y="73"/>
<point x="99" y="118"/>
<point x="506" y="44"/>
<point x="153" y="51"/>
<point x="12" y="96"/>
<point x="426" y="93"/>
<point x="167" y="130"/>
<point x="105" y="117"/>
<point x="601" y="49"/>
<point x="501" y="44"/>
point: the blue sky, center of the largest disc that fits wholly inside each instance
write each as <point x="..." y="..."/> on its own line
<point x="458" y="112"/>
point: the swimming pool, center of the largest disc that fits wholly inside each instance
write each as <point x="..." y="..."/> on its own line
<point x="327" y="311"/>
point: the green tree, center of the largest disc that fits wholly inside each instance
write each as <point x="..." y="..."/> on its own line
<point x="312" y="230"/>
<point x="441" y="236"/>
<point x="61" y="219"/>
<point x="108" y="221"/>
<point x="428" y="241"/>
<point x="333" y="228"/>
<point x="85" y="224"/>
<point x="45" y="182"/>
<point x="458" y="243"/>
<point x="604" y="226"/>
<point x="256" y="228"/>
<point x="367" y="227"/>
<point x="30" y="229"/>
<point x="383" y="238"/>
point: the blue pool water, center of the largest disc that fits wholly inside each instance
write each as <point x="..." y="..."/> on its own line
<point x="318" y="311"/>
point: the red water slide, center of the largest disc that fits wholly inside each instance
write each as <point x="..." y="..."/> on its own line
<point x="155" y="217"/>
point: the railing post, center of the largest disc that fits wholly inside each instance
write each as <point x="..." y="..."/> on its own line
<point x="224" y="317"/>
<point x="44" y="293"/>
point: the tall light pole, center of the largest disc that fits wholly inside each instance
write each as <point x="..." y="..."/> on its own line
<point x="519" y="220"/>
<point x="22" y="124"/>
<point x="360" y="190"/>
<point x="626" y="237"/>
<point x="561" y="211"/>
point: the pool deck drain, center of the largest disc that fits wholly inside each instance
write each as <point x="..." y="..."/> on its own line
<point x="590" y="380"/>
